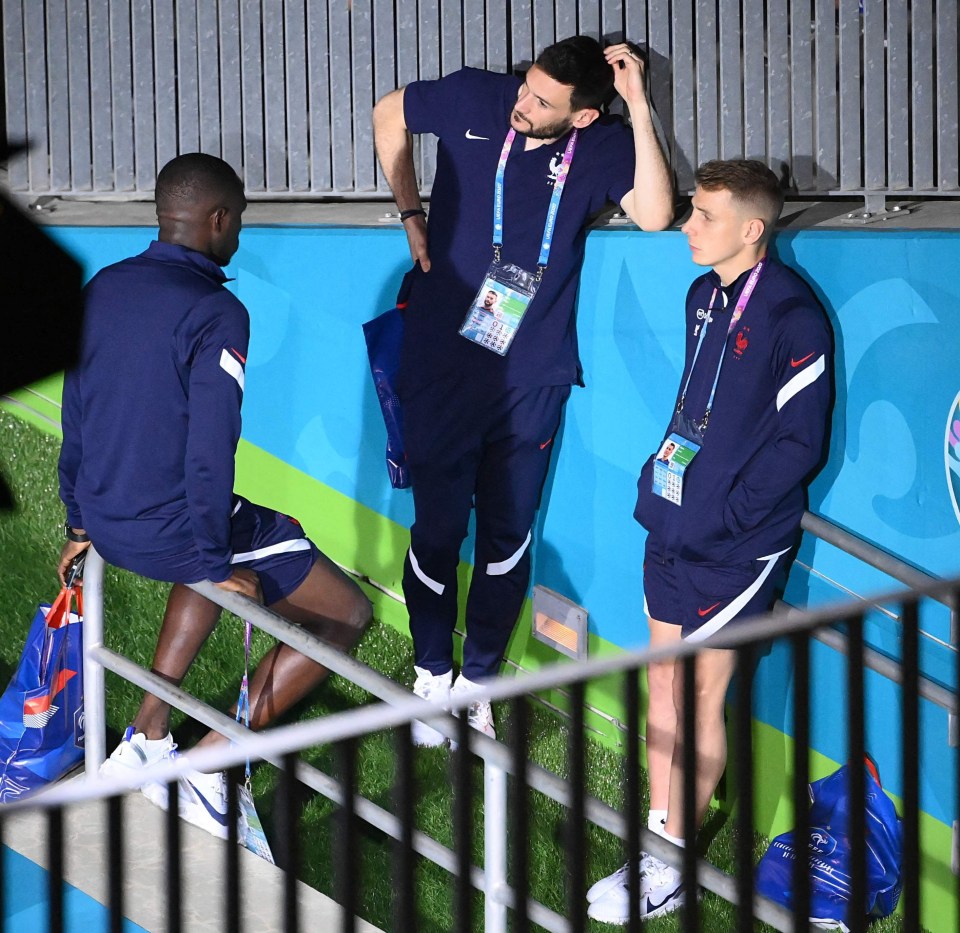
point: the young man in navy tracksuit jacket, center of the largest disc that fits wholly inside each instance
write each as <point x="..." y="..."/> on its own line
<point x="151" y="421"/>
<point x="754" y="400"/>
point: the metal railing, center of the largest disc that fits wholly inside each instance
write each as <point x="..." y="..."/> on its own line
<point x="845" y="97"/>
<point x="279" y="745"/>
<point x="506" y="829"/>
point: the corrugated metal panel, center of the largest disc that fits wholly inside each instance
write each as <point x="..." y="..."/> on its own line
<point x="840" y="97"/>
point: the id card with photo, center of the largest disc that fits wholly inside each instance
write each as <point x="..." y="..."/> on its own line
<point x="673" y="459"/>
<point x="499" y="306"/>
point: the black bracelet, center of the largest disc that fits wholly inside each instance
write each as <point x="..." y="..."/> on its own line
<point x="412" y="212"/>
<point x="75" y="536"/>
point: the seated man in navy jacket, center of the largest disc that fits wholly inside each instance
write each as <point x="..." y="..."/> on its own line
<point x="749" y="425"/>
<point x="151" y="421"/>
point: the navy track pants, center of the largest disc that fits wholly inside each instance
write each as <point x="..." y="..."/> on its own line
<point x="470" y="445"/>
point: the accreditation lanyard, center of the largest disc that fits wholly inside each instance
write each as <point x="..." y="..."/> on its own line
<point x="554" y="207"/>
<point x="734" y="318"/>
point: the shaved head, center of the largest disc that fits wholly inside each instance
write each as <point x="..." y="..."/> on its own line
<point x="195" y="178"/>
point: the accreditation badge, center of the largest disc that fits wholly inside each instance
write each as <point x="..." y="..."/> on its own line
<point x="497" y="310"/>
<point x="673" y="459"/>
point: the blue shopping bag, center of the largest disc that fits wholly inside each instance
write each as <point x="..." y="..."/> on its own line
<point x="829" y="852"/>
<point x="384" y="336"/>
<point x="41" y="711"/>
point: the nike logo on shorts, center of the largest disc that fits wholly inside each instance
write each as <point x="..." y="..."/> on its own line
<point x="707" y="611"/>
<point x="470" y="135"/>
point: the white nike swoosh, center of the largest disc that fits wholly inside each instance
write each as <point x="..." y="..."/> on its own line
<point x="470" y="135"/>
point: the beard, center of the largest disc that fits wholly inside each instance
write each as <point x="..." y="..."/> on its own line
<point x="548" y="131"/>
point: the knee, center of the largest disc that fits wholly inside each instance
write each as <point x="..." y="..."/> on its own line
<point x="660" y="683"/>
<point x="361" y="613"/>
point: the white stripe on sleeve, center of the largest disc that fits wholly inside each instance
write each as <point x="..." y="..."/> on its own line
<point x="231" y="365"/>
<point x="805" y="377"/>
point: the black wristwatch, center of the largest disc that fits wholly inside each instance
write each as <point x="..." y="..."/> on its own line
<point x="75" y="536"/>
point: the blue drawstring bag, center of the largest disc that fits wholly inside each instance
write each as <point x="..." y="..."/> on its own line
<point x="829" y="849"/>
<point x="41" y="711"/>
<point x="384" y="337"/>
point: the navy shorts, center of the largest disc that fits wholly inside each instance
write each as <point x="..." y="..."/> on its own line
<point x="272" y="544"/>
<point x="703" y="598"/>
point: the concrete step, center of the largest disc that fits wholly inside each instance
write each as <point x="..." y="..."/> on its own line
<point x="203" y="870"/>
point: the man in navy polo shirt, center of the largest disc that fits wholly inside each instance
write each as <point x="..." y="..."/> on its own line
<point x="151" y="421"/>
<point x="522" y="165"/>
<point x="748" y="429"/>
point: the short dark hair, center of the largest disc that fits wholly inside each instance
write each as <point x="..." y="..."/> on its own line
<point x="579" y="62"/>
<point x="750" y="183"/>
<point x="188" y="177"/>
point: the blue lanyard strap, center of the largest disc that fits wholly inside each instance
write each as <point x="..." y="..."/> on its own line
<point x="741" y="305"/>
<point x="552" y="210"/>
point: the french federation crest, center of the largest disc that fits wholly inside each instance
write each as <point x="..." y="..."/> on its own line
<point x="951" y="455"/>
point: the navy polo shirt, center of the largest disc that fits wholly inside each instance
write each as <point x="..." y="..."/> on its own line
<point x="469" y="112"/>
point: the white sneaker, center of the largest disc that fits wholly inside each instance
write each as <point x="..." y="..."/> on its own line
<point x="436" y="689"/>
<point x="201" y="798"/>
<point x="480" y="713"/>
<point x="135" y="753"/>
<point x="661" y="891"/>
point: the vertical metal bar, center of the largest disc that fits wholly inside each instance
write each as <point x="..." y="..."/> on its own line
<point x="208" y="79"/>
<point x="708" y="137"/>
<point x="800" y="643"/>
<point x="754" y="81"/>
<point x="78" y="48"/>
<point x="924" y="95"/>
<point x="55" y="868"/>
<point x="364" y="160"/>
<point x="121" y="97"/>
<point x="115" y="861"/>
<point x="660" y="55"/>
<point x="165" y="82"/>
<point x="231" y="107"/>
<point x="295" y="49"/>
<point x="632" y="790"/>
<point x="565" y="21"/>
<point x="463" y="825"/>
<point x="94" y="698"/>
<point x="744" y="748"/>
<point x="348" y="860"/>
<point x="521" y="32"/>
<point x="586" y="22"/>
<point x="520" y="815"/>
<point x="779" y="155"/>
<point x="405" y="915"/>
<point x="462" y="38"/>
<point x="874" y="98"/>
<point x="688" y="738"/>
<point x="251" y="96"/>
<point x="851" y="83"/>
<point x="341" y="97"/>
<point x="803" y="153"/>
<point x="497" y="58"/>
<point x="494" y="848"/>
<point x="826" y="144"/>
<point x="544" y="25"/>
<point x="231" y="891"/>
<point x="145" y="95"/>
<point x="174" y="860"/>
<point x="385" y="37"/>
<point x="911" y="751"/>
<point x="576" y="829"/>
<point x="58" y="97"/>
<point x="289" y="826"/>
<point x="684" y="95"/>
<point x="188" y="79"/>
<point x="15" y="89"/>
<point x="948" y="177"/>
<point x="731" y="80"/>
<point x="274" y="94"/>
<point x="856" y="770"/>
<point x="898" y="94"/>
<point x="318" y="89"/>
<point x="428" y="55"/>
<point x="35" y="44"/>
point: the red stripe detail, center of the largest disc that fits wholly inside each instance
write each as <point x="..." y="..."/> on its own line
<point x="41" y="704"/>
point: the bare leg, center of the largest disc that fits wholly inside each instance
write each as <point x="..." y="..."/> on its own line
<point x="187" y="623"/>
<point x="661" y="715"/>
<point x="327" y="603"/>
<point x="714" y="668"/>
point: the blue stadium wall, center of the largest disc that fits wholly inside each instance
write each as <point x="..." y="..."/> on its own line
<point x="314" y="441"/>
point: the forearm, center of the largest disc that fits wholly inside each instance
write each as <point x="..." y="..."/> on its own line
<point x="394" y="146"/>
<point x="650" y="203"/>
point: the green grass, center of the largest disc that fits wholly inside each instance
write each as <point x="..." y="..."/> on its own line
<point x="30" y="540"/>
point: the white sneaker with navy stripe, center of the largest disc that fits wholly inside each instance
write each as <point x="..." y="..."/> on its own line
<point x="135" y="753"/>
<point x="661" y="892"/>
<point x="201" y="799"/>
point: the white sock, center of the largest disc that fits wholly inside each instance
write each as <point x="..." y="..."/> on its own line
<point x="676" y="840"/>
<point x="656" y="820"/>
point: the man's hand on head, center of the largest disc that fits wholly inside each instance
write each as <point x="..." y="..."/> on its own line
<point x="245" y="582"/>
<point x="629" y="72"/>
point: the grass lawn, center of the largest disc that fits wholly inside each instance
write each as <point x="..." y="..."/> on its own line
<point x="30" y="540"/>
